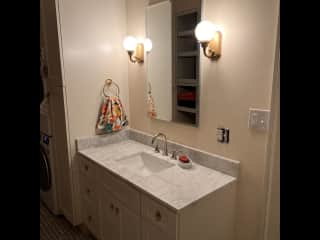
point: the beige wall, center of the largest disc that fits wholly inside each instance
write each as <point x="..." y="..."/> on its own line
<point x="242" y="78"/>
<point x="91" y="35"/>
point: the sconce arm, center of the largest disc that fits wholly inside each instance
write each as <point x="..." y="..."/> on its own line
<point x="207" y="51"/>
<point x="204" y="46"/>
<point x="131" y="57"/>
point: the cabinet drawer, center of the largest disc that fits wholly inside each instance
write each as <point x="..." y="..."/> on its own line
<point x="87" y="167"/>
<point x="90" y="216"/>
<point x="127" y="194"/>
<point x="88" y="188"/>
<point x="159" y="215"/>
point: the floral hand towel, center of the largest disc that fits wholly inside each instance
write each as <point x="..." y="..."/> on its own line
<point x="112" y="116"/>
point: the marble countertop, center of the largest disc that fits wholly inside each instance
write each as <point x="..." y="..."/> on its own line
<point x="175" y="187"/>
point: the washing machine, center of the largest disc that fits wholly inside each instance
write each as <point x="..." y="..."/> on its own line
<point x="48" y="191"/>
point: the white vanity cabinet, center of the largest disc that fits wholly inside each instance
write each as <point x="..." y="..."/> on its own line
<point x="110" y="207"/>
<point x="113" y="209"/>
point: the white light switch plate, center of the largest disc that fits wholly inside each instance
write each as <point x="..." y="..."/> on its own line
<point x="259" y="119"/>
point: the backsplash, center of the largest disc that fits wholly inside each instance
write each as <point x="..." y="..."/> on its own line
<point x="213" y="161"/>
<point x="101" y="140"/>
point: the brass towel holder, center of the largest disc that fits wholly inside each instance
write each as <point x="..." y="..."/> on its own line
<point x="107" y="84"/>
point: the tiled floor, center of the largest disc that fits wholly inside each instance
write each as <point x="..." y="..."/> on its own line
<point x="57" y="228"/>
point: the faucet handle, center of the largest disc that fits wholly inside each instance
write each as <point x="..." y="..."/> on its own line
<point x="174" y="154"/>
<point x="156" y="149"/>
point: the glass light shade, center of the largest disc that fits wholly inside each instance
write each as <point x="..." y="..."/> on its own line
<point x="205" y="31"/>
<point x="147" y="45"/>
<point x="130" y="43"/>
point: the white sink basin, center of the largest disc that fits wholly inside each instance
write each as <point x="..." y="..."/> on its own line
<point x="144" y="163"/>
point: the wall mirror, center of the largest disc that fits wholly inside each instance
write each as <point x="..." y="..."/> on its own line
<point x="173" y="63"/>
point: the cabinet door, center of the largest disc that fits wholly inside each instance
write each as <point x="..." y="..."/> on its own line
<point x="129" y="223"/>
<point x="117" y="221"/>
<point x="152" y="232"/>
<point x="109" y="217"/>
<point x="90" y="216"/>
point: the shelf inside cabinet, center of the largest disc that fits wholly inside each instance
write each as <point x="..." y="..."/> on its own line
<point x="192" y="82"/>
<point x="187" y="20"/>
<point x="186" y="109"/>
<point x="188" y="54"/>
<point x="186" y="33"/>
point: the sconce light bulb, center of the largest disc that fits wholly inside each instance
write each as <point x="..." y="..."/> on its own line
<point x="205" y="31"/>
<point x="130" y="43"/>
<point x="147" y="45"/>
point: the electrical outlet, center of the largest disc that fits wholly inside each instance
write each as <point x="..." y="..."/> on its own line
<point x="223" y="135"/>
<point x="259" y="119"/>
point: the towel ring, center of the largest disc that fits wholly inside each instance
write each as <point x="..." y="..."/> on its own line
<point x="108" y="83"/>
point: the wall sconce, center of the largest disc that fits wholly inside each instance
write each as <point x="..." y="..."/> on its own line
<point x="210" y="39"/>
<point x="135" y="49"/>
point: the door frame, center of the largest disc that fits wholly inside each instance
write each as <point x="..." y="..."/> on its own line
<point x="273" y="146"/>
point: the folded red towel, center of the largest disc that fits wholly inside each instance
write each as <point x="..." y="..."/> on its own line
<point x="189" y="96"/>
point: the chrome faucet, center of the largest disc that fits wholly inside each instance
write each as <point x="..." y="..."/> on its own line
<point x="165" y="149"/>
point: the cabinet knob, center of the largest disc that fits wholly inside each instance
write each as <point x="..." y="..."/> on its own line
<point x="89" y="218"/>
<point x="86" y="167"/>
<point x="158" y="216"/>
<point x="111" y="206"/>
<point x="88" y="191"/>
<point x="117" y="211"/>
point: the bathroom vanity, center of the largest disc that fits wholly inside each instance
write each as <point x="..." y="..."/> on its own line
<point x="130" y="192"/>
